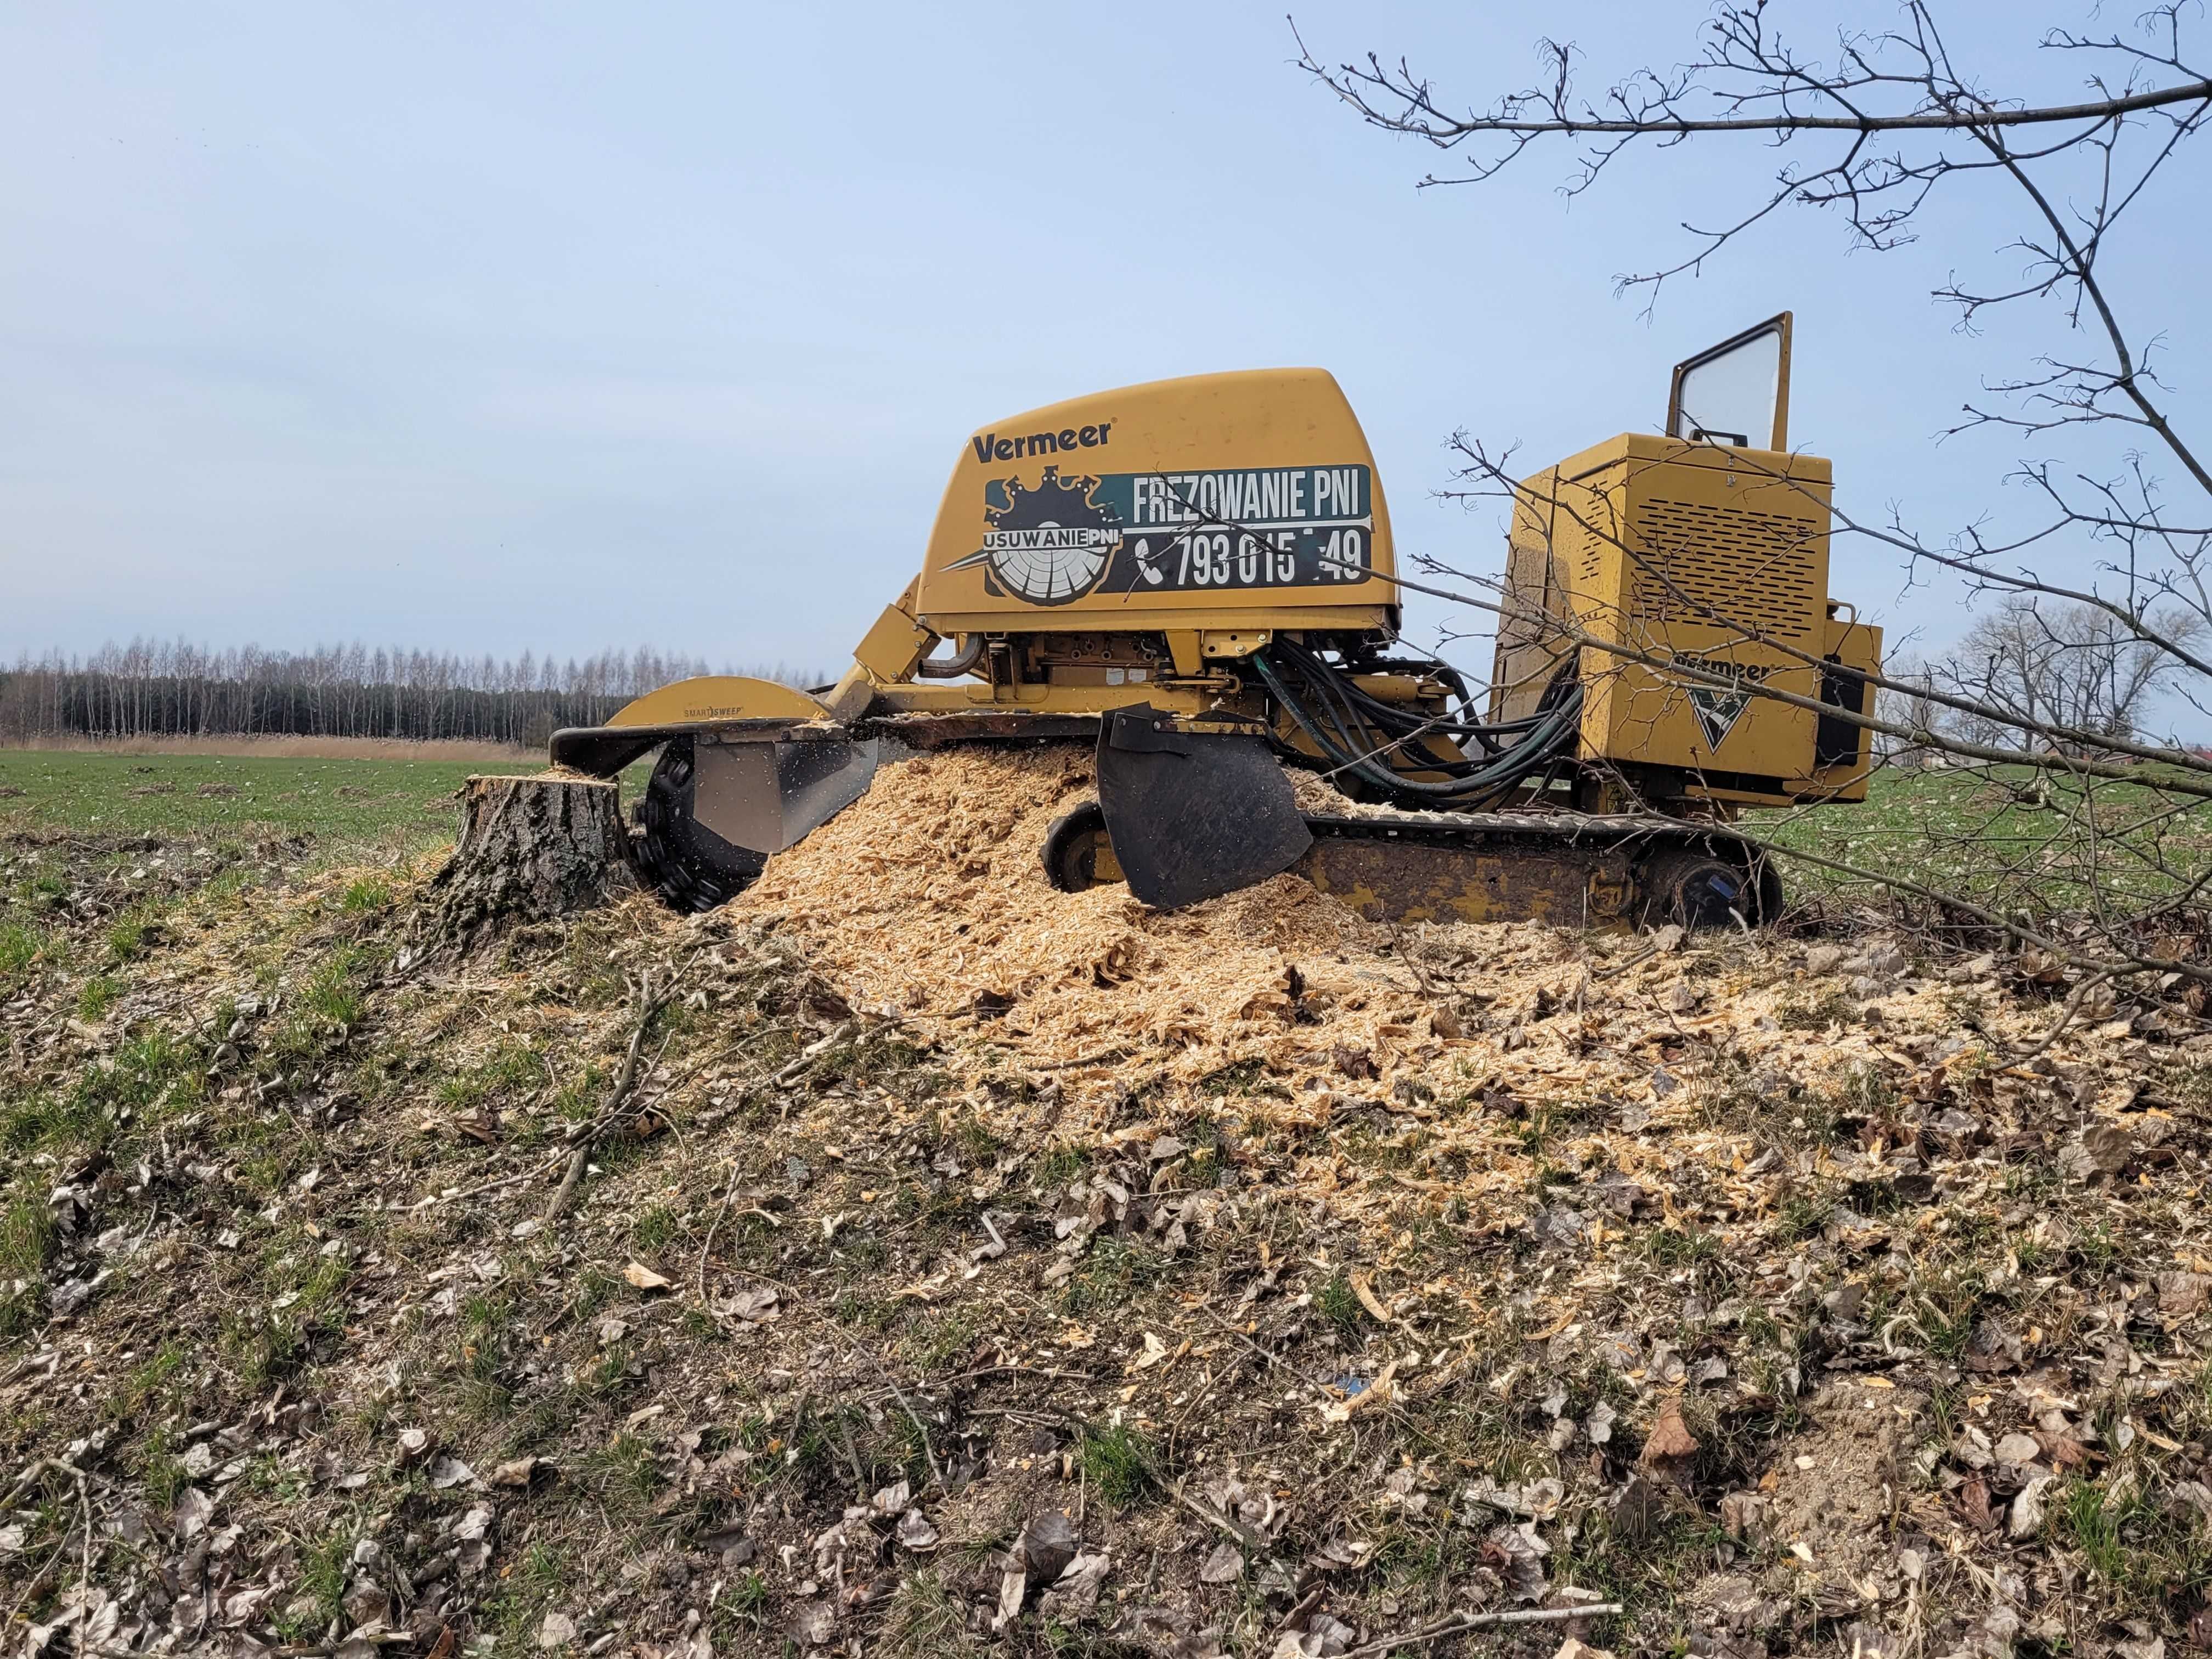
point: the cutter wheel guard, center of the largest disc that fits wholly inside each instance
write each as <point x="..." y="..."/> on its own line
<point x="1196" y="580"/>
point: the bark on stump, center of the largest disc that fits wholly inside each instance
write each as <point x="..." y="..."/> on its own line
<point x="531" y="849"/>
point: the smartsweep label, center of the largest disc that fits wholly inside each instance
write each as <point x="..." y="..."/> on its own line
<point x="1135" y="532"/>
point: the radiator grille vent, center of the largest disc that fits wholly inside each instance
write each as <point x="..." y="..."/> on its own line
<point x="1754" y="569"/>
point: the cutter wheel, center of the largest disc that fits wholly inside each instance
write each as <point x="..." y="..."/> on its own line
<point x="680" y="858"/>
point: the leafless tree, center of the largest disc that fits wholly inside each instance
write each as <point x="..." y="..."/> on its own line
<point x="1908" y="708"/>
<point x="154" y="688"/>
<point x="2061" y="664"/>
<point x="2072" y="831"/>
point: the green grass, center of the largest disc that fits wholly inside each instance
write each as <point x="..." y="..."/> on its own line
<point x="333" y="992"/>
<point x="161" y="794"/>
<point x="1337" y="1302"/>
<point x="152" y="1074"/>
<point x="96" y="997"/>
<point x="926" y="1621"/>
<point x="366" y="896"/>
<point x="514" y="1070"/>
<point x="131" y="933"/>
<point x="27" y="1232"/>
<point x="1992" y="839"/>
<point x="20" y="947"/>
<point x="1117" y="1464"/>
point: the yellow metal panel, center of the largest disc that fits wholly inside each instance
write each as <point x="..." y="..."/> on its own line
<point x="1246" y="500"/>
<point x="967" y="699"/>
<point x="893" y="646"/>
<point x="716" y="697"/>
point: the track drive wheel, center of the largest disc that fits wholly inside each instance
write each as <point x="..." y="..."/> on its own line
<point x="687" y="864"/>
<point x="1076" y="854"/>
<point x="1695" y="889"/>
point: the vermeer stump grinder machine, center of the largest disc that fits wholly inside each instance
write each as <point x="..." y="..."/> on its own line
<point x="1196" y="578"/>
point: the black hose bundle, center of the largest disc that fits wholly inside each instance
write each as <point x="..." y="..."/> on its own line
<point x="1378" y="742"/>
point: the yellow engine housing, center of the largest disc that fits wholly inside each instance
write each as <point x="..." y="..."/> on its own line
<point x="1712" y="556"/>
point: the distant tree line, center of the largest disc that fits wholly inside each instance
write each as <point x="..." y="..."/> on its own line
<point x="176" y="688"/>
<point x="2048" y="666"/>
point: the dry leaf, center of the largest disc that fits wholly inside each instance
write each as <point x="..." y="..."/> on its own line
<point x="811" y="1626"/>
<point x="193" y="1509"/>
<point x="1972" y="1501"/>
<point x="1224" y="1566"/>
<point x="1670" y="1444"/>
<point x="644" y="1278"/>
<point x="447" y="1472"/>
<point x="756" y="1307"/>
<point x="1364" y="1288"/>
<point x="1076" y="1589"/>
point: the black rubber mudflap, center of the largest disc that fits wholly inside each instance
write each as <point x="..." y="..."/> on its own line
<point x="1194" y="815"/>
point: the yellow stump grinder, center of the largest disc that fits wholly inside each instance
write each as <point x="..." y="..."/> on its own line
<point x="1196" y="578"/>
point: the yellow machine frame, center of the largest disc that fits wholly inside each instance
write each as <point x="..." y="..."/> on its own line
<point x="1175" y="544"/>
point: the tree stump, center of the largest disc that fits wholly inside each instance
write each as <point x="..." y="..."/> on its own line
<point x="531" y="849"/>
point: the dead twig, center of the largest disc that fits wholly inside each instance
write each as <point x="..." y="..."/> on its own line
<point x="43" y="1466"/>
<point x="1103" y="1057"/>
<point x="1465" y="1621"/>
<point x="649" y="1005"/>
<point x="82" y="1481"/>
<point x="1405" y="955"/>
<point x="2065" y="1018"/>
<point x="927" y="1451"/>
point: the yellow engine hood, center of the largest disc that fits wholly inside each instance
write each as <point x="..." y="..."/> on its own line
<point x="1215" y="501"/>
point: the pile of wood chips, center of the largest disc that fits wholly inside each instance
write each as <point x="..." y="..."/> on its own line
<point x="926" y="899"/>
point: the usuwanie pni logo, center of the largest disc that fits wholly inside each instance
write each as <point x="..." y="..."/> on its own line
<point x="1063" y="538"/>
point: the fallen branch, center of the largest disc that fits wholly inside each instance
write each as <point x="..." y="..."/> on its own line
<point x="927" y="1451"/>
<point x="1465" y="1621"/>
<point x="81" y="1482"/>
<point x="2065" y="1018"/>
<point x="813" y="1052"/>
<point x="649" y="1004"/>
<point x="43" y="1466"/>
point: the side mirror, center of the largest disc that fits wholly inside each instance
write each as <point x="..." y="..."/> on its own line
<point x="1736" y="392"/>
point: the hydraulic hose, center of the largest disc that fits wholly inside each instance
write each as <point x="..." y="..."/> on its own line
<point x="1360" y="735"/>
<point x="959" y="663"/>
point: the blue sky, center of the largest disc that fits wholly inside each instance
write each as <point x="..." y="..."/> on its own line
<point x="560" y="327"/>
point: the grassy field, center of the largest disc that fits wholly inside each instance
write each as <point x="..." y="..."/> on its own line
<point x="2001" y="841"/>
<point x="2015" y="840"/>
<point x="405" y="802"/>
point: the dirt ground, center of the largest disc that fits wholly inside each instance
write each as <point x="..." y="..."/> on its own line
<point x="908" y="1259"/>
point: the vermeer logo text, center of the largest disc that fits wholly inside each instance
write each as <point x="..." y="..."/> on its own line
<point x="992" y="447"/>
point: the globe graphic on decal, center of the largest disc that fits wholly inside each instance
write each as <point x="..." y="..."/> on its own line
<point x="1050" y="544"/>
